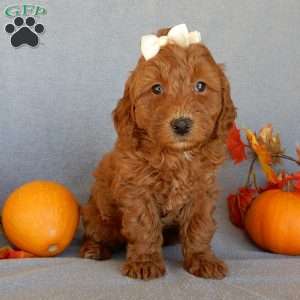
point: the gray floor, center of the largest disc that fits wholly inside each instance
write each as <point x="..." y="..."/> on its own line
<point x="254" y="274"/>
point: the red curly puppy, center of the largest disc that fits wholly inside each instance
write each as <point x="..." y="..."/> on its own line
<point x="172" y="123"/>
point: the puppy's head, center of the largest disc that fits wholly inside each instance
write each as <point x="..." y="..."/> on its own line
<point x="180" y="99"/>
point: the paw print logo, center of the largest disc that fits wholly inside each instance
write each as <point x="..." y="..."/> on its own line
<point x="24" y="33"/>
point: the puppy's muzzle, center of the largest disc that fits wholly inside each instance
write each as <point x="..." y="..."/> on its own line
<point x="181" y="126"/>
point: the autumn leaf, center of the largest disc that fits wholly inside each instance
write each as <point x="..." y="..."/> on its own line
<point x="235" y="145"/>
<point x="263" y="155"/>
<point x="265" y="133"/>
<point x="238" y="205"/>
<point x="295" y="177"/>
<point x="19" y="254"/>
<point x="9" y="253"/>
<point x="271" y="142"/>
<point x="4" y="252"/>
<point x="282" y="183"/>
<point x="279" y="184"/>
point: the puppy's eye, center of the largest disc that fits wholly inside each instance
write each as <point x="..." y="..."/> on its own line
<point x="157" y="89"/>
<point x="200" y="86"/>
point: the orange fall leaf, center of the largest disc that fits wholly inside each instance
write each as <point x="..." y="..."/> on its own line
<point x="263" y="155"/>
<point x="295" y="177"/>
<point x="282" y="181"/>
<point x="9" y="253"/>
<point x="235" y="145"/>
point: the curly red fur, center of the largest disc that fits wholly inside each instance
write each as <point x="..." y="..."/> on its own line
<point x="153" y="179"/>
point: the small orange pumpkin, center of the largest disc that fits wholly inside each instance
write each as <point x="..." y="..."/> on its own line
<point x="40" y="217"/>
<point x="273" y="221"/>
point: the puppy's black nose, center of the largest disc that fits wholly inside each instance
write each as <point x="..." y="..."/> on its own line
<point x="181" y="126"/>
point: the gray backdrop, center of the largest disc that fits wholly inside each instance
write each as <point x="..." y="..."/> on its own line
<point x="56" y="100"/>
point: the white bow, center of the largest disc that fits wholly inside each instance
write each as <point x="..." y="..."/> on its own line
<point x="179" y="35"/>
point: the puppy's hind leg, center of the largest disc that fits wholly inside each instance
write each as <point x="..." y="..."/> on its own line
<point x="94" y="250"/>
<point x="101" y="236"/>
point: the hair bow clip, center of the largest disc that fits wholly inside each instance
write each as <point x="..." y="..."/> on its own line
<point x="179" y="35"/>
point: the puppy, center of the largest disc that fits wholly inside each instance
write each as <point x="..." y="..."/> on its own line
<point x="172" y="124"/>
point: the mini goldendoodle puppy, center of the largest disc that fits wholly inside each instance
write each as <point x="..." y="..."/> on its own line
<point x="160" y="178"/>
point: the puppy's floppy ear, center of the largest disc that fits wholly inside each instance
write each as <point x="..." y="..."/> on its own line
<point x="215" y="149"/>
<point x="123" y="114"/>
<point x="228" y="112"/>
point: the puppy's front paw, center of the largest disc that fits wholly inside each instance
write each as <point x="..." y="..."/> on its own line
<point x="206" y="267"/>
<point x="92" y="250"/>
<point x="143" y="269"/>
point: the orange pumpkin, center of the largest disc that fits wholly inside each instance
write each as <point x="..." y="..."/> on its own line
<point x="273" y="221"/>
<point x="41" y="217"/>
